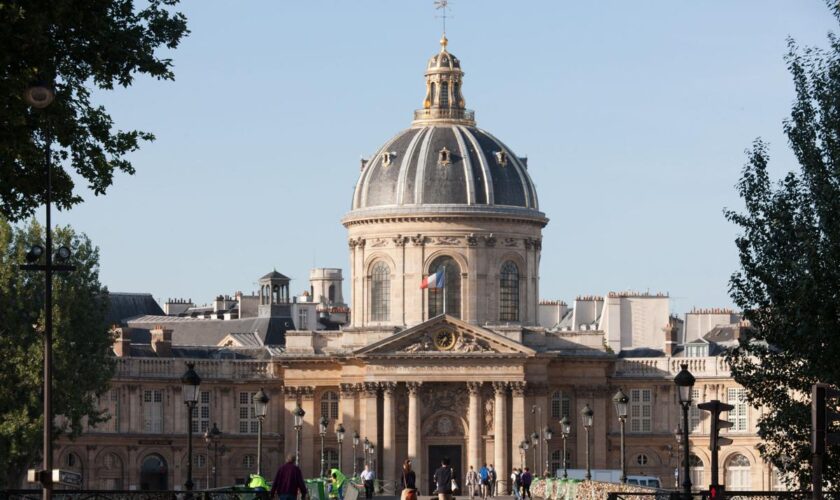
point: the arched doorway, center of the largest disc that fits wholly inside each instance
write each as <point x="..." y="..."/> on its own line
<point x="154" y="473"/>
<point x="451" y="290"/>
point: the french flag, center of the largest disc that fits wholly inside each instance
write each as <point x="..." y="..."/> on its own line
<point x="436" y="280"/>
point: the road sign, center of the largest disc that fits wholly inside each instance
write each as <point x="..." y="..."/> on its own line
<point x="67" y="478"/>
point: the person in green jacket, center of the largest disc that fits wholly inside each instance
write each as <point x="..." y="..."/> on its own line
<point x="337" y="481"/>
<point x="258" y="483"/>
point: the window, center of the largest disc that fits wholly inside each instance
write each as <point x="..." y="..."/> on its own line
<point x="696" y="350"/>
<point x="509" y="292"/>
<point x="153" y="411"/>
<point x="71" y="460"/>
<point x="248" y="423"/>
<point x="738" y="473"/>
<point x="444" y="94"/>
<point x="303" y="319"/>
<point x="432" y="95"/>
<point x="201" y="413"/>
<point x="200" y="461"/>
<point x="737" y="397"/>
<point x="696" y="471"/>
<point x="456" y="93"/>
<point x="642" y="459"/>
<point x="640" y="410"/>
<point x="444" y="158"/>
<point x="331" y="294"/>
<point x="561" y="406"/>
<point x="248" y="461"/>
<point x="329" y="405"/>
<point x="452" y="288"/>
<point x="694" y="413"/>
<point x="501" y="158"/>
<point x="330" y="459"/>
<point x="380" y="292"/>
<point x="556" y="462"/>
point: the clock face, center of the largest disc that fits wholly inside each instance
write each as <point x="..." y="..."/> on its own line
<point x="444" y="340"/>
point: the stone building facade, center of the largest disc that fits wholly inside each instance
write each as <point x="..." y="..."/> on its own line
<point x="469" y="371"/>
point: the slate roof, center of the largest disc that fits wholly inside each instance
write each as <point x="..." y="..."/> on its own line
<point x="128" y="305"/>
<point x="209" y="332"/>
<point x="274" y="275"/>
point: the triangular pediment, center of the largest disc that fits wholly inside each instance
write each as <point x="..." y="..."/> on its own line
<point x="444" y="335"/>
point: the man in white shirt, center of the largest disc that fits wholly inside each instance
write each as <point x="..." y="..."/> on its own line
<point x="368" y="476"/>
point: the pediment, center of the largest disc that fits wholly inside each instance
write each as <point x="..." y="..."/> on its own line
<point x="446" y="336"/>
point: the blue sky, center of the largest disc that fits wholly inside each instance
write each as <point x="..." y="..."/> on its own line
<point x="634" y="116"/>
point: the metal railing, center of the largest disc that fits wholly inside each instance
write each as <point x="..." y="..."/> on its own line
<point x="444" y="113"/>
<point x="727" y="495"/>
<point x="220" y="494"/>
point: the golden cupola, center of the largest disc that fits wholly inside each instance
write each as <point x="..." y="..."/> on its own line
<point x="444" y="101"/>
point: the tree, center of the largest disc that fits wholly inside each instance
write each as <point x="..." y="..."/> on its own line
<point x="83" y="364"/>
<point x="789" y="280"/>
<point x="76" y="44"/>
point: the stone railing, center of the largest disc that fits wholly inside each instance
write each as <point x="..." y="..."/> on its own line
<point x="713" y="366"/>
<point x="173" y="368"/>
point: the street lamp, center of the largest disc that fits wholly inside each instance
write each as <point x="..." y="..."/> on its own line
<point x="678" y="437"/>
<point x="565" y="430"/>
<point x="190" y="383"/>
<point x="524" y="445"/>
<point x="620" y="400"/>
<point x="323" y="431"/>
<point x="355" y="444"/>
<point x="260" y="401"/>
<point x="40" y="95"/>
<point x="587" y="414"/>
<point x="339" y="436"/>
<point x="298" y="413"/>
<point x="547" y="435"/>
<point x="212" y="437"/>
<point x="685" y="381"/>
<point x="535" y="442"/>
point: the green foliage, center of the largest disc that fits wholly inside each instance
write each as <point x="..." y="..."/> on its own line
<point x="77" y="44"/>
<point x="789" y="281"/>
<point x="82" y="361"/>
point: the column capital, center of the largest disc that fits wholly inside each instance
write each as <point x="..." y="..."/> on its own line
<point x="500" y="388"/>
<point x="388" y="388"/>
<point x="474" y="388"/>
<point x="370" y="388"/>
<point x="347" y="390"/>
<point x="413" y="387"/>
<point x="518" y="388"/>
<point x="306" y="392"/>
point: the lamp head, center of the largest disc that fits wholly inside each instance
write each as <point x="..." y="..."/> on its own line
<point x="339" y="433"/>
<point x="323" y="424"/>
<point x="548" y="433"/>
<point x="684" y="381"/>
<point x="260" y="401"/>
<point x="190" y="383"/>
<point x="587" y="415"/>
<point x="565" y="426"/>
<point x="620" y="401"/>
<point x="355" y="438"/>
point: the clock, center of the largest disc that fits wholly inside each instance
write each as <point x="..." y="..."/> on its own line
<point x="444" y="340"/>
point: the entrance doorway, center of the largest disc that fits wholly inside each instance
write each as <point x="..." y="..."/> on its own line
<point x="437" y="452"/>
<point x="153" y="473"/>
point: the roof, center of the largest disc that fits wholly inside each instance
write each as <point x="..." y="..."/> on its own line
<point x="122" y="306"/>
<point x="188" y="331"/>
<point x="274" y="275"/>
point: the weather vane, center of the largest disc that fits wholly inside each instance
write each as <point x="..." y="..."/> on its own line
<point x="442" y="5"/>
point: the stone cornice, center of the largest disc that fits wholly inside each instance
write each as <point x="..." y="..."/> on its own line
<point x="471" y="214"/>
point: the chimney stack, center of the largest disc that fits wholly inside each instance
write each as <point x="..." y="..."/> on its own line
<point x="670" y="337"/>
<point x="122" y="340"/>
<point x="162" y="341"/>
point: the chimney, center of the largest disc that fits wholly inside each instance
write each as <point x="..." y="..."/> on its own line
<point x="670" y="337"/>
<point x="162" y="341"/>
<point x="122" y="340"/>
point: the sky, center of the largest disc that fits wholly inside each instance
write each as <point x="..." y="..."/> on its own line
<point x="634" y="116"/>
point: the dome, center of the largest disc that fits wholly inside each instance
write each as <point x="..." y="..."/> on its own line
<point x="445" y="164"/>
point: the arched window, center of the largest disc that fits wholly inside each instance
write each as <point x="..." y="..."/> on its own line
<point x="738" y="473"/>
<point x="380" y="293"/>
<point x="330" y="459"/>
<point x="331" y="294"/>
<point x="154" y="473"/>
<point x="444" y="94"/>
<point x="451" y="289"/>
<point x="697" y="471"/>
<point x="509" y="292"/>
<point x="561" y="406"/>
<point x="432" y="96"/>
<point x="111" y="472"/>
<point x="329" y="405"/>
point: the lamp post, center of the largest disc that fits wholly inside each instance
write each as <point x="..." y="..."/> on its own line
<point x="260" y="401"/>
<point x="372" y="451"/>
<point x="685" y="381"/>
<point x="355" y="444"/>
<point x="339" y="436"/>
<point x="40" y="95"/>
<point x="678" y="437"/>
<point x="366" y="451"/>
<point x="211" y="437"/>
<point x="535" y="442"/>
<point x="620" y="401"/>
<point x="547" y="435"/>
<point x="298" y="414"/>
<point x="565" y="430"/>
<point x="522" y="455"/>
<point x="587" y="414"/>
<point x="190" y="383"/>
<point x="524" y="445"/>
<point x="323" y="432"/>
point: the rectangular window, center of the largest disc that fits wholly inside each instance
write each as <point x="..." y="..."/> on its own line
<point x="737" y="397"/>
<point x="248" y="423"/>
<point x="694" y="413"/>
<point x="201" y="413"/>
<point x="641" y="410"/>
<point x="153" y="411"/>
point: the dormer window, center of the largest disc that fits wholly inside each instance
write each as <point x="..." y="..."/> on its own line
<point x="444" y="157"/>
<point x="501" y="158"/>
<point x="387" y="157"/>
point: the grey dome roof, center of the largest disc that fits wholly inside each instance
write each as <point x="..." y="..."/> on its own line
<point x="476" y="170"/>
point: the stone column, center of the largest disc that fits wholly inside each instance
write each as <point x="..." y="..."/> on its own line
<point x="474" y="441"/>
<point x="351" y="425"/>
<point x="368" y="414"/>
<point x="501" y="449"/>
<point x="414" y="430"/>
<point x="310" y="448"/>
<point x="389" y="445"/>
<point x="518" y="416"/>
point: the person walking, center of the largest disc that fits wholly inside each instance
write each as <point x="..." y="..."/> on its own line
<point x="491" y="480"/>
<point x="409" y="482"/>
<point x="527" y="477"/>
<point x="368" y="476"/>
<point x="516" y="482"/>
<point x="473" y="481"/>
<point x="484" y="477"/>
<point x="288" y="481"/>
<point x="443" y="480"/>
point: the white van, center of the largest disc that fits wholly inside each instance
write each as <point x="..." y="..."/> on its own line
<point x="649" y="481"/>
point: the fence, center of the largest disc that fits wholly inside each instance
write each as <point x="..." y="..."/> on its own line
<point x="222" y="494"/>
<point x="726" y="495"/>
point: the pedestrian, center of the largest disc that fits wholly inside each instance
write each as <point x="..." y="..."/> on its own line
<point x="473" y="481"/>
<point x="515" y="480"/>
<point x="409" y="482"/>
<point x="443" y="480"/>
<point x="484" y="476"/>
<point x="368" y="476"/>
<point x="493" y="476"/>
<point x="337" y="480"/>
<point x="288" y="481"/>
<point x="526" y="483"/>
